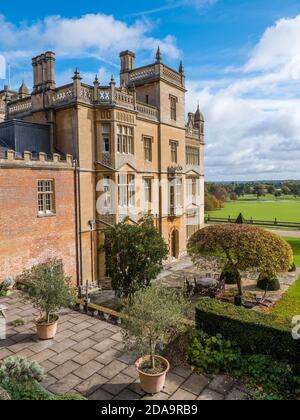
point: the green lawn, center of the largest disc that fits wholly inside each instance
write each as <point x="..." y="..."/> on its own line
<point x="285" y="211"/>
<point x="295" y="244"/>
<point x="289" y="305"/>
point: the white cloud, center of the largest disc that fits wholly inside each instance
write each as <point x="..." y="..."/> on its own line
<point x="279" y="47"/>
<point x="253" y="124"/>
<point x="93" y="35"/>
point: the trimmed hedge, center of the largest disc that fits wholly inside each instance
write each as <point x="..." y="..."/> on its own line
<point x="253" y="332"/>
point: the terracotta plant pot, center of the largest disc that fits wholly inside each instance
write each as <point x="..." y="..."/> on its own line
<point x="46" y="331"/>
<point x="152" y="383"/>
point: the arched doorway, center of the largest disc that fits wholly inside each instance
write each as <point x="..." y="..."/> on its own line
<point x="175" y="244"/>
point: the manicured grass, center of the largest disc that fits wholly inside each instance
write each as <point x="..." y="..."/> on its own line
<point x="289" y="305"/>
<point x="295" y="244"/>
<point x="285" y="211"/>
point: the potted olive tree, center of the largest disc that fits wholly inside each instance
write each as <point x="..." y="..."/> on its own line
<point x="152" y="319"/>
<point x="49" y="290"/>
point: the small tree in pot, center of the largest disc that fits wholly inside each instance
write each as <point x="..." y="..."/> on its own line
<point x="154" y="316"/>
<point x="49" y="290"/>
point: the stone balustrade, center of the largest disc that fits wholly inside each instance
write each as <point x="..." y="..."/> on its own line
<point x="147" y="111"/>
<point x="63" y="94"/>
<point x="106" y="95"/>
<point x="20" y="106"/>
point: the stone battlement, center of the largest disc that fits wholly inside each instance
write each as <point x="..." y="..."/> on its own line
<point x="11" y="158"/>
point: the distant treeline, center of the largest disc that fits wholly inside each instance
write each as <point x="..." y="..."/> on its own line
<point x="217" y="194"/>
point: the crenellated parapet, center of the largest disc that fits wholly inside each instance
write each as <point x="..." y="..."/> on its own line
<point x="41" y="160"/>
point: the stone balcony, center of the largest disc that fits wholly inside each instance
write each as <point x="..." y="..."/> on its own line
<point x="95" y="96"/>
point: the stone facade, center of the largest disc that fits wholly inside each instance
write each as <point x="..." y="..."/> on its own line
<point x="134" y="151"/>
<point x="27" y="236"/>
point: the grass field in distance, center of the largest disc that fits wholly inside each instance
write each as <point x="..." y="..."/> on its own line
<point x="285" y="209"/>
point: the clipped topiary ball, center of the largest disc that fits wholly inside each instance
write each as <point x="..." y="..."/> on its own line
<point x="293" y="268"/>
<point x="268" y="282"/>
<point x="230" y="275"/>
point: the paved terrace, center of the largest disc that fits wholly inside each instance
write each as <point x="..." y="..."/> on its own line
<point x="87" y="357"/>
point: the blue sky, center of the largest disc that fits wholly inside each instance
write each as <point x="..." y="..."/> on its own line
<point x="242" y="61"/>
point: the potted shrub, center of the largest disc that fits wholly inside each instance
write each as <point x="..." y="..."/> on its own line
<point x="49" y="290"/>
<point x="151" y="321"/>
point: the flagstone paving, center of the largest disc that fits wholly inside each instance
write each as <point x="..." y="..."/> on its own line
<point x="86" y="357"/>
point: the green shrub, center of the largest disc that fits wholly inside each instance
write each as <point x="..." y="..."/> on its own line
<point x="230" y="275"/>
<point x="33" y="391"/>
<point x="254" y="332"/>
<point x="29" y="391"/>
<point x="240" y="219"/>
<point x="3" y="293"/>
<point x="268" y="282"/>
<point x="265" y="377"/>
<point x="20" y="369"/>
<point x="208" y="354"/>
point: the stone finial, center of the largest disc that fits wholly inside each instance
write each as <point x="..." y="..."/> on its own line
<point x="77" y="75"/>
<point x="112" y="80"/>
<point x="158" y="56"/>
<point x="96" y="81"/>
<point x="181" y="68"/>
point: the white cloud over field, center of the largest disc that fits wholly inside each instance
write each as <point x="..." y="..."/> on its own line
<point x="253" y="118"/>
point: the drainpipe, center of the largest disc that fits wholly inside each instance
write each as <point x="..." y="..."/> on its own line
<point x="77" y="226"/>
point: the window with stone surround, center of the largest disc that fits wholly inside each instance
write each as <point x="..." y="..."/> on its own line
<point x="106" y="138"/>
<point x="148" y="148"/>
<point x="125" y="139"/>
<point x="148" y="190"/>
<point x="173" y="107"/>
<point x="174" y="147"/>
<point x="175" y="195"/>
<point x="46" y="197"/>
<point x="192" y="156"/>
<point x="126" y="190"/>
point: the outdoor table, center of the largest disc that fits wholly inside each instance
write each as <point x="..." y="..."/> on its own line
<point x="207" y="282"/>
<point x="2" y="311"/>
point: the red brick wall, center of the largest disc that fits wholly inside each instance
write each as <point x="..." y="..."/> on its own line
<point x="27" y="239"/>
